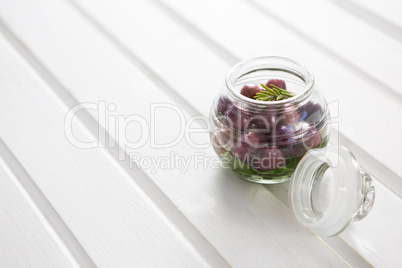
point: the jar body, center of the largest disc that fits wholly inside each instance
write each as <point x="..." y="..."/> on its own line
<point x="263" y="141"/>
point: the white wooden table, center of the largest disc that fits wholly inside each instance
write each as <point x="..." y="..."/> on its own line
<point x="63" y="206"/>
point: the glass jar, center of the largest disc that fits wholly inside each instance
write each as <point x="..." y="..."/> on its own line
<point x="263" y="141"/>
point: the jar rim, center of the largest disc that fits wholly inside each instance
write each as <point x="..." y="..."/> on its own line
<point x="307" y="76"/>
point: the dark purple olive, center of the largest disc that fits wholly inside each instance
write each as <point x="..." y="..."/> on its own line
<point x="288" y="116"/>
<point x="300" y="128"/>
<point x="227" y="137"/>
<point x="312" y="138"/>
<point x="240" y="151"/>
<point x="276" y="82"/>
<point x="249" y="90"/>
<point x="282" y="135"/>
<point x="240" y="118"/>
<point x="259" y="121"/>
<point x="223" y="105"/>
<point x="270" y="158"/>
<point x="217" y="146"/>
<point x="292" y="144"/>
<point x="236" y="118"/>
<point x="262" y="122"/>
<point x="253" y="142"/>
<point x="311" y="112"/>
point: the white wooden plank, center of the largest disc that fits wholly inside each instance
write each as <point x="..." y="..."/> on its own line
<point x="388" y="10"/>
<point x="355" y="124"/>
<point x="378" y="237"/>
<point x="112" y="216"/>
<point x="243" y="221"/>
<point x="359" y="121"/>
<point x="124" y="21"/>
<point x="26" y="238"/>
<point x="362" y="48"/>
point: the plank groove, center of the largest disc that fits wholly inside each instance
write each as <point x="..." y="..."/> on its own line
<point x="120" y="25"/>
<point x="385" y="15"/>
<point x="208" y="197"/>
<point x="27" y="236"/>
<point x="342" y="36"/>
<point x="358" y="92"/>
<point x="389" y="177"/>
<point x="114" y="220"/>
<point x="254" y="227"/>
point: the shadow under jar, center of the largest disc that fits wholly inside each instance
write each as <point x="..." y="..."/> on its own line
<point x="263" y="141"/>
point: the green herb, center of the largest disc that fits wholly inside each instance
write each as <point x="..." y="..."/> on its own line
<point x="237" y="165"/>
<point x="323" y="143"/>
<point x="274" y="94"/>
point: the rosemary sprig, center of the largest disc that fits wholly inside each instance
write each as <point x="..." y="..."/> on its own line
<point x="274" y="94"/>
<point x="268" y="89"/>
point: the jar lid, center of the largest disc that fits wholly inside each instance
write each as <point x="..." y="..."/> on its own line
<point x="328" y="190"/>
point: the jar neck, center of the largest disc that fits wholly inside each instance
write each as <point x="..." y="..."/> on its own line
<point x="270" y="67"/>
